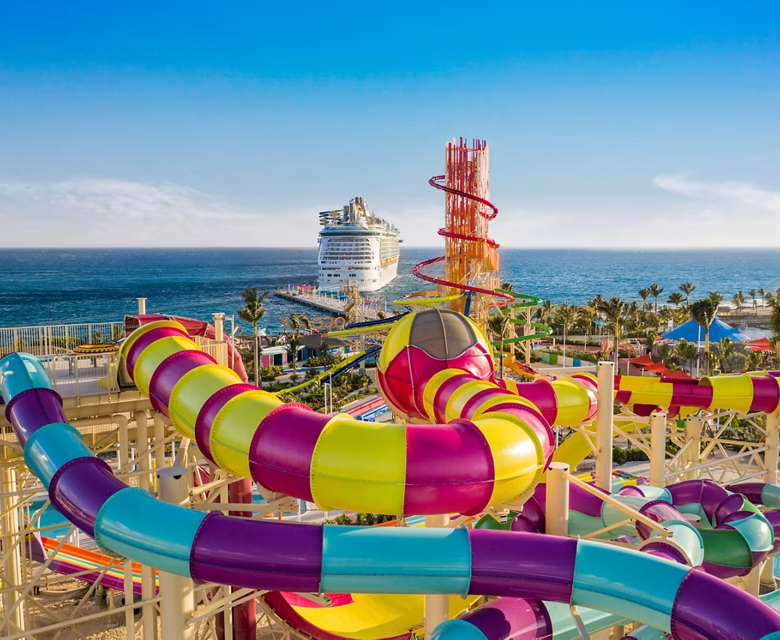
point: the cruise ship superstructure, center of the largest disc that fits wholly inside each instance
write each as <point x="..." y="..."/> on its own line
<point x="357" y="247"/>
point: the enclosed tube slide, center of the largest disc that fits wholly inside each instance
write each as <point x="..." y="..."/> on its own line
<point x="757" y="391"/>
<point x="745" y="393"/>
<point x="734" y="536"/>
<point x="311" y="558"/>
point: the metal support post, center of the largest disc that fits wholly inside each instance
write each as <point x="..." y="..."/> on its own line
<point x="148" y="587"/>
<point x="123" y="452"/>
<point x="13" y="565"/>
<point x="219" y="337"/>
<point x="437" y="606"/>
<point x="657" y="448"/>
<point x="528" y="331"/>
<point x="772" y="446"/>
<point x="219" y="331"/>
<point x="604" y="417"/>
<point x="557" y="520"/>
<point x="243" y="615"/>
<point x="159" y="436"/>
<point x="178" y="595"/>
<point x="693" y="426"/>
<point x="141" y="306"/>
<point x="768" y="575"/>
<point x="753" y="581"/>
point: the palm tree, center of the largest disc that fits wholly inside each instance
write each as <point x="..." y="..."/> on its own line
<point x="762" y="291"/>
<point x="545" y="311"/>
<point x="739" y="301"/>
<point x="687" y="288"/>
<point x="676" y="299"/>
<point x="252" y="312"/>
<point x="703" y="312"/>
<point x="499" y="325"/>
<point x="613" y="313"/>
<point x="774" y="322"/>
<point x="666" y="353"/>
<point x="585" y="316"/>
<point x="716" y="299"/>
<point x="753" y="293"/>
<point x="508" y="287"/>
<point x="295" y="322"/>
<point x="597" y="300"/>
<point x="656" y="291"/>
<point x="725" y="349"/>
<point x="686" y="352"/>
<point x="644" y="294"/>
<point x="565" y="317"/>
<point x="666" y="314"/>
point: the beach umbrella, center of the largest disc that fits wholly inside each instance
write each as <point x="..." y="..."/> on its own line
<point x="678" y="375"/>
<point x="692" y="332"/>
<point x="642" y="361"/>
<point x="762" y="344"/>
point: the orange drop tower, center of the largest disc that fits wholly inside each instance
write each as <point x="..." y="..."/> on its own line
<point x="470" y="277"/>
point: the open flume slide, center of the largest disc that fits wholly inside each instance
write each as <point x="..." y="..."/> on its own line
<point x="492" y="448"/>
<point x="83" y="564"/>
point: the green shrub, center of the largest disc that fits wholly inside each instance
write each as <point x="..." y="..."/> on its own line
<point x="631" y="454"/>
<point x="268" y="374"/>
<point x="343" y="519"/>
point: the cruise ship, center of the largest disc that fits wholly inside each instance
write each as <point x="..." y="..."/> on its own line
<point x="356" y="247"/>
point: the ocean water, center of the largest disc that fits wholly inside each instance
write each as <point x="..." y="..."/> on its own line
<point x="52" y="286"/>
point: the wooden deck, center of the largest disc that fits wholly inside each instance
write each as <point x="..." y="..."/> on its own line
<point x="332" y="306"/>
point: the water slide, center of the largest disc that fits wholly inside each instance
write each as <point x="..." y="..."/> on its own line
<point x="491" y="448"/>
<point x="733" y="536"/>
<point x="338" y="369"/>
<point x="194" y="328"/>
<point x="746" y="392"/>
<point x="83" y="564"/>
<point x="505" y="301"/>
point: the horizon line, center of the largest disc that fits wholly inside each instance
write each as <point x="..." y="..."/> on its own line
<point x="437" y="248"/>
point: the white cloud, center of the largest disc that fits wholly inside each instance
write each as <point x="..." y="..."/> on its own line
<point x="731" y="194"/>
<point x="113" y="212"/>
<point x="679" y="212"/>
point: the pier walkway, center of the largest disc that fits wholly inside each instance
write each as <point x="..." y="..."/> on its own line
<point x="334" y="305"/>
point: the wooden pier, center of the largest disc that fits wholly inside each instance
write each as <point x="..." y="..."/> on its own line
<point x="331" y="306"/>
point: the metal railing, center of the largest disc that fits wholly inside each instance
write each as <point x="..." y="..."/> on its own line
<point x="50" y="340"/>
<point x="77" y="376"/>
<point x="217" y="350"/>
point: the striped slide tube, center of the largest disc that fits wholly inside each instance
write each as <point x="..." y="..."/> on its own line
<point x="734" y="537"/>
<point x="492" y="449"/>
<point x="312" y="558"/>
<point x="747" y="392"/>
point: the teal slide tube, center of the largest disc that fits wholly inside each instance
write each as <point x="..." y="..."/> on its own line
<point x="133" y="523"/>
<point x="633" y="585"/>
<point x="20" y="372"/>
<point x="394" y="560"/>
<point x="770" y="496"/>
<point x="457" y="630"/>
<point x="50" y="447"/>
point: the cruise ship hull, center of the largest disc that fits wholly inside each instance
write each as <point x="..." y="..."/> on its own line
<point x="367" y="280"/>
<point x="356" y="249"/>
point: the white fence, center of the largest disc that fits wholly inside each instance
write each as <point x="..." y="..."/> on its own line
<point x="51" y="340"/>
<point x="78" y="376"/>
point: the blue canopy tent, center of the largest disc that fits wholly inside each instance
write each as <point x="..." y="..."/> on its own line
<point x="694" y="332"/>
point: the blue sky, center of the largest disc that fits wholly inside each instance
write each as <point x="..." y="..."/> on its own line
<point x="190" y="124"/>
